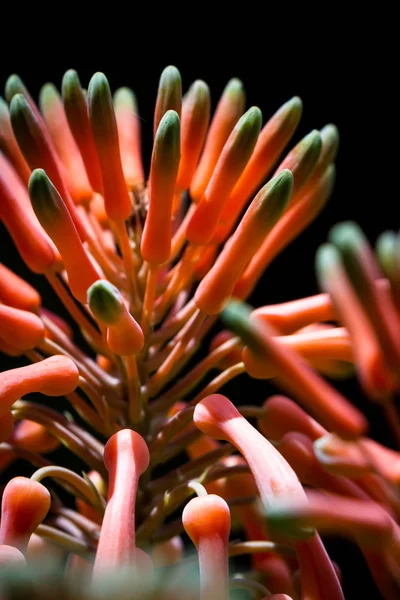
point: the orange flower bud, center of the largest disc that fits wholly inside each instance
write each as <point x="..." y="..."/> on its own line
<point x="282" y="415"/>
<point x="227" y="113"/>
<point x="217" y="286"/>
<point x="54" y="376"/>
<point x="105" y="134"/>
<point x="56" y="220"/>
<point x="272" y="139"/>
<point x="32" y="242"/>
<point x="16" y="292"/>
<point x="34" y="437"/>
<point x="156" y="241"/>
<point x="24" y="505"/>
<point x="207" y="522"/>
<point x="195" y="119"/>
<point x="8" y="144"/>
<point x="21" y="328"/>
<point x="76" y="110"/>
<point x="38" y="150"/>
<point x="234" y="157"/>
<point x="11" y="556"/>
<point x="53" y="112"/>
<point x="128" y="124"/>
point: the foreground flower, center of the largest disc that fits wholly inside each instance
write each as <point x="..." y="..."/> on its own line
<point x="144" y="277"/>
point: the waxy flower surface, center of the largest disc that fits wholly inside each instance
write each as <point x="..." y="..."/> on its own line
<point x="141" y="478"/>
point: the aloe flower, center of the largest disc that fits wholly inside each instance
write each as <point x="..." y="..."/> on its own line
<point x="117" y="413"/>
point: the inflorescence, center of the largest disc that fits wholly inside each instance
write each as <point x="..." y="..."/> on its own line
<point x="146" y="266"/>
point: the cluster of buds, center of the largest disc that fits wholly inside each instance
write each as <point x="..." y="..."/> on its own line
<point x="145" y="266"/>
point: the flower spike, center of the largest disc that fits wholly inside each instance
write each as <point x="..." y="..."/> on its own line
<point x="145" y="258"/>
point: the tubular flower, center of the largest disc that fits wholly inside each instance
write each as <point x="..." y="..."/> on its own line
<point x="113" y="402"/>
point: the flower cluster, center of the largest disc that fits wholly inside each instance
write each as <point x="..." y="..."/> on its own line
<point x="145" y="266"/>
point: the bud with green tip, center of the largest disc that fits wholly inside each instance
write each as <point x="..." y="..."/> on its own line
<point x="195" y="119"/>
<point x="76" y="110"/>
<point x="234" y="157"/>
<point x="55" y="219"/>
<point x="157" y="234"/>
<point x="293" y="375"/>
<point x="363" y="271"/>
<point x="169" y="96"/>
<point x="265" y="210"/>
<point x="128" y="124"/>
<point x="303" y="159"/>
<point x="105" y="133"/>
<point x="105" y="301"/>
<point x="272" y="139"/>
<point x="388" y="254"/>
<point x="39" y="151"/>
<point x="230" y="107"/>
<point x="54" y="115"/>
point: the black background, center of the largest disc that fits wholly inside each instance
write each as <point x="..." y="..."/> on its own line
<point x="346" y="76"/>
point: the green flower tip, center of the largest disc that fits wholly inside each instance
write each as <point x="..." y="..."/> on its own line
<point x="387" y="251"/>
<point x="311" y="145"/>
<point x="234" y="87"/>
<point x="246" y="132"/>
<point x="347" y="236"/>
<point x="330" y="143"/>
<point x="236" y="317"/>
<point x="14" y="85"/>
<point x="99" y="88"/>
<point x="18" y="105"/>
<point x="70" y="84"/>
<point x="44" y="197"/>
<point x="327" y="260"/>
<point x="124" y="97"/>
<point x="281" y="186"/>
<point x="167" y="141"/>
<point x="22" y="119"/>
<point x="171" y="78"/>
<point x="274" y="197"/>
<point x="105" y="301"/>
<point x="295" y="104"/>
<point x="48" y="95"/>
<point x="199" y="94"/>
